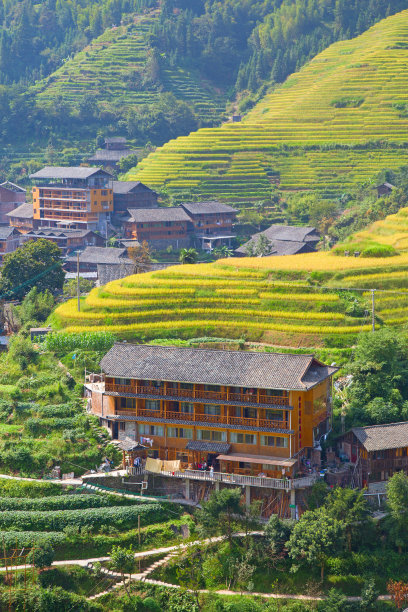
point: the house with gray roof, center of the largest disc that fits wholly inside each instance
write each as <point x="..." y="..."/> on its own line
<point x="132" y="194"/>
<point x="283" y="240"/>
<point x="93" y="256"/>
<point x="11" y="196"/>
<point x="245" y="413"/>
<point x="21" y="217"/>
<point x="377" y="451"/>
<point x="212" y="223"/>
<point x="159" y="227"/>
<point x="10" y="240"/>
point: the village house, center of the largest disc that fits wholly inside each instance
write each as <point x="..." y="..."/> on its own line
<point x="384" y="189"/>
<point x="93" y="256"/>
<point x="212" y="223"/>
<point x="10" y="239"/>
<point x="160" y="227"/>
<point x="67" y="240"/>
<point x="285" y="240"/>
<point x="132" y="194"/>
<point x="11" y="196"/>
<point x="116" y="148"/>
<point x="257" y="415"/>
<point x="21" y="217"/>
<point x="72" y="197"/>
<point x="377" y="451"/>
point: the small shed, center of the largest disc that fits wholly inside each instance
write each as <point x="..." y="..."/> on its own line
<point x="38" y="333"/>
<point x="384" y="189"/>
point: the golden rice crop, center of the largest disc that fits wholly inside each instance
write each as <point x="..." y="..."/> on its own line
<point x="68" y="311"/>
<point x="174" y="325"/>
<point x="127" y="304"/>
<point x="307" y="297"/>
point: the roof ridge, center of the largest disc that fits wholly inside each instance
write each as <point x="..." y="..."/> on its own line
<point x="360" y="427"/>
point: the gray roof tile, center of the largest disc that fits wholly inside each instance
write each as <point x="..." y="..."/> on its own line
<point x="382" y="437"/>
<point x="205" y="208"/>
<point x="95" y="255"/>
<point x="210" y="447"/>
<point x="235" y="368"/>
<point x="68" y="172"/>
<point x="152" y="215"/>
<point x="25" y="211"/>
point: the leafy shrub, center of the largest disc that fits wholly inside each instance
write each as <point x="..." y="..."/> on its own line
<point x="44" y="600"/>
<point x="23" y="488"/>
<point x="379" y="250"/>
<point x="122" y="517"/>
<point x="63" y="502"/>
<point x="22" y="539"/>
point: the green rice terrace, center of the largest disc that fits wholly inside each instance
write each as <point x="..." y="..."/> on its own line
<point x="107" y="67"/>
<point x="328" y="127"/>
<point x="286" y="301"/>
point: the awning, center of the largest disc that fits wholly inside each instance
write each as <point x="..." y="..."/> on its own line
<point x="264" y="459"/>
<point x="209" y="447"/>
<point x="131" y="446"/>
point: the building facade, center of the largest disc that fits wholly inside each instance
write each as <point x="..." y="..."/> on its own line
<point x="67" y="240"/>
<point x="377" y="451"/>
<point x="21" y="217"/>
<point x="160" y="227"/>
<point x="76" y="198"/>
<point x="212" y="223"/>
<point x="11" y="196"/>
<point x="241" y="412"/>
<point x="10" y="240"/>
<point x="132" y="194"/>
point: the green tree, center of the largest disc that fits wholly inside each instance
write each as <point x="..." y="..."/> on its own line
<point x="277" y="533"/>
<point x="397" y="503"/>
<point x="22" y="351"/>
<point x="220" y="512"/>
<point x="369" y="596"/>
<point x="35" y="263"/>
<point x="41" y="556"/>
<point x="36" y="306"/>
<point x="350" y="507"/>
<point x="314" y="537"/>
<point x="189" y="571"/>
<point x="126" y="163"/>
<point x="335" y="602"/>
<point x="122" y="561"/>
<point x="188" y="256"/>
<point x="263" y="246"/>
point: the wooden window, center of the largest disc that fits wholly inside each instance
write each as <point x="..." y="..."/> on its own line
<point x="128" y="403"/>
<point x="122" y="426"/>
<point x="187" y="407"/>
<point x="212" y="387"/>
<point x="186" y="386"/>
<point x="267" y="440"/>
<point x="151" y="430"/>
<point x="122" y="381"/>
<point x="274" y="415"/>
<point x="179" y="432"/>
<point x="152" y="405"/>
<point x="212" y="409"/>
<point x="250" y="413"/>
<point x="241" y="438"/>
<point x="213" y="436"/>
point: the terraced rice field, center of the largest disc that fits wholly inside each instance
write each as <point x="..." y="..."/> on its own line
<point x="393" y="230"/>
<point x="263" y="299"/>
<point x="329" y="126"/>
<point x="105" y="69"/>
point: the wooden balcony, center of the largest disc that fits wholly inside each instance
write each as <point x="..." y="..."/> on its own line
<point x="192" y="394"/>
<point x="198" y="417"/>
<point x="238" y="479"/>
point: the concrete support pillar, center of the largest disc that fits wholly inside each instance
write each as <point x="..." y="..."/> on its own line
<point x="247" y="496"/>
<point x="217" y="485"/>
<point x="293" y="504"/>
<point x="187" y="488"/>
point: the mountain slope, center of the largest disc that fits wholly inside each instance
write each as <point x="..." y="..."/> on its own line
<point x="337" y="121"/>
<point x="119" y="71"/>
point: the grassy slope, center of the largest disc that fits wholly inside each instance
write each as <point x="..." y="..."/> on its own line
<point x="239" y="161"/>
<point x="104" y="67"/>
<point x="274" y="300"/>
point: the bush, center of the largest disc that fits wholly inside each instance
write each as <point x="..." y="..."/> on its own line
<point x="63" y="502"/>
<point x="26" y="539"/>
<point x="116" y="516"/>
<point x="62" y="343"/>
<point x="379" y="250"/>
<point x="45" y="600"/>
<point x="22" y="488"/>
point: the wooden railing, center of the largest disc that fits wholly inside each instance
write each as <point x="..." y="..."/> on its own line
<point x="217" y="396"/>
<point x="238" y="479"/>
<point x="198" y="417"/>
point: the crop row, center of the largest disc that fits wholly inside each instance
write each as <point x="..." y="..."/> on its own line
<point x="59" y="502"/>
<point x="116" y="516"/>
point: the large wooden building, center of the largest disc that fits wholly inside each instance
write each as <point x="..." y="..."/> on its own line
<point x="11" y="196"/>
<point x="132" y="194"/>
<point x="212" y="223"/>
<point x="241" y="412"/>
<point x="76" y="198"/>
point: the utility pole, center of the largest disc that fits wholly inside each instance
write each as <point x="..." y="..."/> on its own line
<point x="78" y="298"/>
<point x="373" y="309"/>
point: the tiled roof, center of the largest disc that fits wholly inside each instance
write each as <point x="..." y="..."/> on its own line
<point x="95" y="255"/>
<point x="25" y="211"/>
<point x="210" y="447"/>
<point x="69" y="172"/>
<point x="152" y="215"/>
<point x="106" y="155"/>
<point x="6" y="231"/>
<point x="280" y="247"/>
<point x="382" y="437"/>
<point x="12" y="187"/>
<point x="216" y="367"/>
<point x="205" y="208"/>
<point x="59" y="233"/>
<point x="125" y="186"/>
